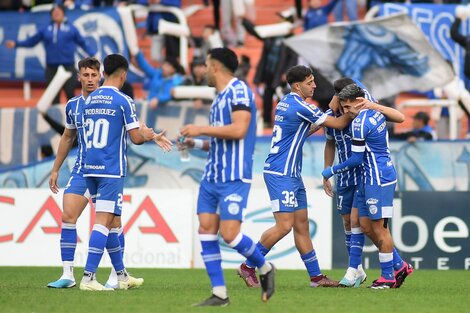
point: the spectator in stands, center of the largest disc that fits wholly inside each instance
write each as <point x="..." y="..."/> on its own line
<point x="317" y="14"/>
<point x="209" y="39"/>
<point x="275" y="59"/>
<point x="421" y="130"/>
<point x="198" y="77"/>
<point x="170" y="43"/>
<point x="60" y="42"/>
<point x="46" y="151"/>
<point x="351" y="10"/>
<point x="233" y="12"/>
<point x="243" y="68"/>
<point x="161" y="81"/>
<point x="464" y="42"/>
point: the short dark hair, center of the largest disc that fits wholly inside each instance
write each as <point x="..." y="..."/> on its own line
<point x="113" y="62"/>
<point x="89" y="63"/>
<point x="351" y="92"/>
<point x="342" y="82"/>
<point x="227" y="57"/>
<point x="61" y="6"/>
<point x="422" y="116"/>
<point x="298" y="73"/>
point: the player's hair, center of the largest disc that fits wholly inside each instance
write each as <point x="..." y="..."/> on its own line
<point x="342" y="82"/>
<point x="298" y="73"/>
<point x="227" y="57"/>
<point x="60" y="6"/>
<point x="89" y="63"/>
<point x="351" y="92"/>
<point x="114" y="62"/>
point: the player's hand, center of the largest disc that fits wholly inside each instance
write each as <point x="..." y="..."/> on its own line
<point x="146" y="132"/>
<point x="327" y="187"/>
<point x="53" y="182"/>
<point x="187" y="143"/>
<point x="327" y="172"/>
<point x="334" y="104"/>
<point x="10" y="44"/>
<point x="365" y="104"/>
<point x="191" y="131"/>
<point x="162" y="141"/>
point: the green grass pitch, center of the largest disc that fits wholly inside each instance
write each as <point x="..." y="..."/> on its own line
<point x="22" y="289"/>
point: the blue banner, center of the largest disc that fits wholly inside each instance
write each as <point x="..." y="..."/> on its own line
<point x="435" y="21"/>
<point x="101" y="28"/>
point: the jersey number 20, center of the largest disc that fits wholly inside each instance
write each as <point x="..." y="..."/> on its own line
<point x="96" y="135"/>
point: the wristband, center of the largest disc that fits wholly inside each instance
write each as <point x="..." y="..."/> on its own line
<point x="198" y="144"/>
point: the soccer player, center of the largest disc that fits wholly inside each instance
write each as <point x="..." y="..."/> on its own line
<point x="374" y="200"/>
<point x="347" y="182"/>
<point x="76" y="194"/>
<point x="108" y="115"/>
<point x="224" y="188"/>
<point x="282" y="174"/>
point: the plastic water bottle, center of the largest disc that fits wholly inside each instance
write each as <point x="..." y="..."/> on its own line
<point x="184" y="153"/>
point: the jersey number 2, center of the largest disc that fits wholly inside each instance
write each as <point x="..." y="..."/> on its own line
<point x="277" y="135"/>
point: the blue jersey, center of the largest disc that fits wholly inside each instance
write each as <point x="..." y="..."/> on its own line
<point x="370" y="136"/>
<point x="292" y="121"/>
<point x="231" y="160"/>
<point x="342" y="140"/>
<point x="108" y="114"/>
<point x="74" y="120"/>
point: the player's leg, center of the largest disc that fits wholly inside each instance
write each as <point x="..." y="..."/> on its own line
<point x="105" y="206"/>
<point x="303" y="242"/>
<point x="233" y="201"/>
<point x="379" y="203"/>
<point x="208" y="229"/>
<point x="75" y="200"/>
<point x="355" y="274"/>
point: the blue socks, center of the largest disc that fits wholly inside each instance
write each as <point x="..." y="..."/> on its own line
<point x="246" y="247"/>
<point x="68" y="241"/>
<point x="212" y="258"/>
<point x="311" y="263"/>
<point x="386" y="264"/>
<point x="98" y="239"/>
<point x="114" y="249"/>
<point x="397" y="261"/>
<point x="357" y="244"/>
<point x="262" y="249"/>
<point x="122" y="241"/>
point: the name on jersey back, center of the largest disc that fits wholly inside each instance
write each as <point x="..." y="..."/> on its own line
<point x="100" y="111"/>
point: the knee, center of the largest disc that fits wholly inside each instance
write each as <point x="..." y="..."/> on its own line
<point x="69" y="217"/>
<point x="284" y="228"/>
<point x="229" y="235"/>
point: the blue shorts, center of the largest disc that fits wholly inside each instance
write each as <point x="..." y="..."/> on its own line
<point x="106" y="193"/>
<point x="77" y="185"/>
<point x="287" y="193"/>
<point x="345" y="197"/>
<point x="226" y="199"/>
<point x="376" y="202"/>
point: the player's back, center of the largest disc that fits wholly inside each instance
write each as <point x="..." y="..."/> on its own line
<point x="377" y="163"/>
<point x="292" y="121"/>
<point x="74" y="120"/>
<point x="230" y="160"/>
<point x="108" y="113"/>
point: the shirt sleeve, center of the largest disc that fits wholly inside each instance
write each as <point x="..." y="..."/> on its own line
<point x="311" y="114"/>
<point x="69" y="122"/>
<point x="329" y="131"/>
<point x="130" y="116"/>
<point x="241" y="98"/>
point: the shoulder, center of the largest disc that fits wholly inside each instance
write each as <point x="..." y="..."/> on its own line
<point x="73" y="101"/>
<point x="239" y="87"/>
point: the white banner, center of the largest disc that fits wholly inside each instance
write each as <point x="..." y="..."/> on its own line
<point x="157" y="225"/>
<point x="387" y="54"/>
<point x="160" y="229"/>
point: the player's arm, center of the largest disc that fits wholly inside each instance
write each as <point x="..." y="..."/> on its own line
<point x="234" y="131"/>
<point x="338" y="123"/>
<point x="358" y="147"/>
<point x="390" y="114"/>
<point x="195" y="143"/>
<point x="65" y="144"/>
<point x="329" y="157"/>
